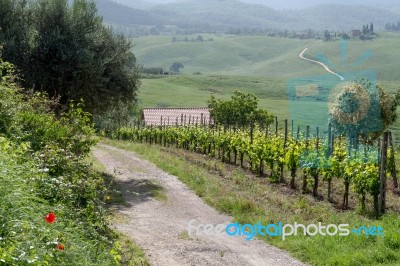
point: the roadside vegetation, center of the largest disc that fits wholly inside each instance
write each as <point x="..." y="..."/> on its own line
<point x="43" y="171"/>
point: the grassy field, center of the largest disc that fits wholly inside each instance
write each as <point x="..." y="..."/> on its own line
<point x="227" y="55"/>
<point x="265" y="56"/>
<point x="258" y="64"/>
<point x="250" y="199"/>
<point x="196" y="90"/>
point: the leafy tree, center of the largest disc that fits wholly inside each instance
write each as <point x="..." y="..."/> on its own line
<point x="14" y="31"/>
<point x="175" y="67"/>
<point x="240" y="111"/>
<point x="345" y="36"/>
<point x="66" y="51"/>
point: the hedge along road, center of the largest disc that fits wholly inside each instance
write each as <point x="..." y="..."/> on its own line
<point x="160" y="227"/>
<point x="301" y="55"/>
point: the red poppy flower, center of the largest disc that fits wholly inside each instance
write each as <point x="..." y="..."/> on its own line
<point x="60" y="246"/>
<point x="50" y="218"/>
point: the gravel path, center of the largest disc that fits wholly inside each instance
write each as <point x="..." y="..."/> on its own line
<point x="160" y="227"/>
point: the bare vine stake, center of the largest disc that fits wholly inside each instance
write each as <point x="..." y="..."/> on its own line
<point x="282" y="179"/>
<point x="251" y="139"/>
<point x="331" y="149"/>
<point x="292" y="128"/>
<point x="165" y="133"/>
<point x="298" y="132"/>
<point x="304" y="188"/>
<point x="315" y="172"/>
<point x="382" y="174"/>
<point x="392" y="159"/>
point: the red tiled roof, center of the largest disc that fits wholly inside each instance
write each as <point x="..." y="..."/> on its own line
<point x="176" y="116"/>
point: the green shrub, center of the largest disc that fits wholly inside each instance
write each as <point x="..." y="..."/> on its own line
<point x="42" y="170"/>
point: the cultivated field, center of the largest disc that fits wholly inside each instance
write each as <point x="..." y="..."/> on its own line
<point x="258" y="64"/>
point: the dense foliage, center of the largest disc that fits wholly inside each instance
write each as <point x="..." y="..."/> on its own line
<point x="66" y="51"/>
<point x="239" y="112"/>
<point x="43" y="171"/>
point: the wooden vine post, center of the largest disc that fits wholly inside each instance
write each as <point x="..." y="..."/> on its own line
<point x="382" y="174"/>
<point x="251" y="138"/>
<point x="392" y="159"/>
<point x="282" y="178"/>
<point x="305" y="176"/>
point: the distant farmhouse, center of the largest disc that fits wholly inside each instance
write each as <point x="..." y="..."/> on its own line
<point x="355" y="33"/>
<point x="176" y="116"/>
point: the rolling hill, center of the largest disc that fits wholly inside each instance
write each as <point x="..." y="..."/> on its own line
<point x="227" y="55"/>
<point x="259" y="64"/>
<point x="267" y="56"/>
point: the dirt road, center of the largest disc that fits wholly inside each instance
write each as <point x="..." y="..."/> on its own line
<point x="327" y="69"/>
<point x="160" y="227"/>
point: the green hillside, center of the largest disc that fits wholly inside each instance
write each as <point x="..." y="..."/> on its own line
<point x="270" y="56"/>
<point x="227" y="55"/>
<point x="261" y="65"/>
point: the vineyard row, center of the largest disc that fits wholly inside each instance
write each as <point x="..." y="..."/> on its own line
<point x="358" y="165"/>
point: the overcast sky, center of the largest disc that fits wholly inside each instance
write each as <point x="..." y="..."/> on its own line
<point x="295" y="4"/>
